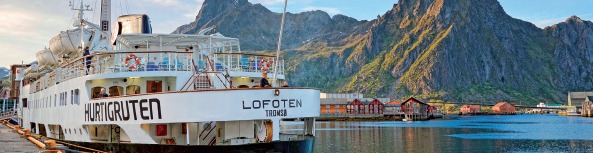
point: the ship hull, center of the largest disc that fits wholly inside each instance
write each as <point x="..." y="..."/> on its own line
<point x="296" y="146"/>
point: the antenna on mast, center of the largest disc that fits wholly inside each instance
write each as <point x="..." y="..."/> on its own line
<point x="80" y="22"/>
<point x="279" y="42"/>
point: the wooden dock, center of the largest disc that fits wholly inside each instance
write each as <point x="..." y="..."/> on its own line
<point x="10" y="141"/>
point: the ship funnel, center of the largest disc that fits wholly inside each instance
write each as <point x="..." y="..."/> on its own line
<point x="131" y="24"/>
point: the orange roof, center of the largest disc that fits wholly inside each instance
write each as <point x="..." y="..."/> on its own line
<point x="500" y="104"/>
<point x="394" y="102"/>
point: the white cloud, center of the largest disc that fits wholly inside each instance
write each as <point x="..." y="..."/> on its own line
<point x="547" y="22"/>
<point x="27" y="26"/>
<point x="330" y="10"/>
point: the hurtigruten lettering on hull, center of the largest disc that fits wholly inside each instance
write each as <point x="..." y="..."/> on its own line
<point x="143" y="109"/>
<point x="273" y="108"/>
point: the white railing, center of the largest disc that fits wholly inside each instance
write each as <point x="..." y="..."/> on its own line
<point x="246" y="63"/>
<point x="116" y="62"/>
<point x="103" y="63"/>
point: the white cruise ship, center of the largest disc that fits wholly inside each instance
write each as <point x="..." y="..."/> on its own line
<point x="163" y="92"/>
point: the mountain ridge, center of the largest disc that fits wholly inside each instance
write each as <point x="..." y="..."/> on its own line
<point x="439" y="50"/>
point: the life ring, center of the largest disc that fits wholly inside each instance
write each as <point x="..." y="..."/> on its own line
<point x="265" y="64"/>
<point x="132" y="66"/>
<point x="264" y="131"/>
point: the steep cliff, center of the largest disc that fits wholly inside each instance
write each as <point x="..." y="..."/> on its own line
<point x="449" y="50"/>
<point x="257" y="27"/>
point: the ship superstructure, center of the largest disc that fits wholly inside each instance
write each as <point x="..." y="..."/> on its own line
<point x="179" y="90"/>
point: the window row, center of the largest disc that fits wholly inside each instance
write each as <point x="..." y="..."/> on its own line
<point x="114" y="91"/>
<point x="55" y="100"/>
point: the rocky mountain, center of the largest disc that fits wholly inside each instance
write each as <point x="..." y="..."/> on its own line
<point x="443" y="50"/>
<point x="257" y="27"/>
<point x="4" y="72"/>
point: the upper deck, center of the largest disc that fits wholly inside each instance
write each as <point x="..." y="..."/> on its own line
<point x="163" y="53"/>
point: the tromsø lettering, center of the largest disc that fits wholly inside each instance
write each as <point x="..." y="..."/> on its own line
<point x="143" y="109"/>
<point x="268" y="105"/>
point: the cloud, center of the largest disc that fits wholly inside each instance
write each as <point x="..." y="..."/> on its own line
<point x="330" y="10"/>
<point x="547" y="22"/>
<point x="27" y="28"/>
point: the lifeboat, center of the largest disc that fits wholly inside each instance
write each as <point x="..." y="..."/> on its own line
<point x="46" y="58"/>
<point x="68" y="42"/>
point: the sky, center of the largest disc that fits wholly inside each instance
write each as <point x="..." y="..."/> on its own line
<point x="26" y="26"/>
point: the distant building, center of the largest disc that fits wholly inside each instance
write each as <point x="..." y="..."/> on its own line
<point x="503" y="108"/>
<point x="468" y="109"/>
<point x="577" y="98"/>
<point x="541" y="105"/>
<point x="416" y="108"/>
<point x="333" y="105"/>
<point x="587" y="107"/>
<point x="375" y="107"/>
<point x="392" y="108"/>
<point x="350" y="103"/>
<point x="356" y="107"/>
<point x="348" y="96"/>
<point x="554" y="105"/>
<point x="336" y="103"/>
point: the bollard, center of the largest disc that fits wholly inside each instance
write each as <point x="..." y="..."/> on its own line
<point x="51" y="144"/>
<point x="27" y="132"/>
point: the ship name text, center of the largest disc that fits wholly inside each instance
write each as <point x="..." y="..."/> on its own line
<point x="143" y="109"/>
<point x="273" y="108"/>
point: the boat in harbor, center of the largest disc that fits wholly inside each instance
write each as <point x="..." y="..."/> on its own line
<point x="142" y="92"/>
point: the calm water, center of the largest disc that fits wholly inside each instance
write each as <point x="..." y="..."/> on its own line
<point x="515" y="133"/>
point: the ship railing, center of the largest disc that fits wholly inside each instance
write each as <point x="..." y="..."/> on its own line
<point x="115" y="62"/>
<point x="244" y="62"/>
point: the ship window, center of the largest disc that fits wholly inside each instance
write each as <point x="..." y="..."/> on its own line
<point x="24" y="102"/>
<point x="95" y="92"/>
<point x="71" y="97"/>
<point x="116" y="91"/>
<point x="77" y="96"/>
<point x="65" y="98"/>
<point x="132" y="90"/>
<point x="55" y="99"/>
<point x="61" y="98"/>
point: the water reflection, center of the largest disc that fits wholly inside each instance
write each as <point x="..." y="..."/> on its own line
<point x="520" y="133"/>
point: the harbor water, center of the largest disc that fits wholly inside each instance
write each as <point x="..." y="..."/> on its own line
<point x="511" y="133"/>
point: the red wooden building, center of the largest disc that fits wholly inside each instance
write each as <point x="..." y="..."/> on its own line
<point x="356" y="107"/>
<point x="504" y="108"/>
<point x="468" y="109"/>
<point x="375" y="107"/>
<point x="416" y="109"/>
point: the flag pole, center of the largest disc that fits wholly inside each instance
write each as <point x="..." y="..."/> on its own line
<point x="279" y="43"/>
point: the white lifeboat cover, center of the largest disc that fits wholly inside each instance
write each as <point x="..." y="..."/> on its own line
<point x="68" y="42"/>
<point x="46" y="57"/>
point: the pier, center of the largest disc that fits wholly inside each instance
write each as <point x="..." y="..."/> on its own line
<point x="10" y="141"/>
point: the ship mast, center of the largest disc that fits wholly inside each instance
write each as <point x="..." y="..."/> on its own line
<point x="80" y="19"/>
<point x="279" y="43"/>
